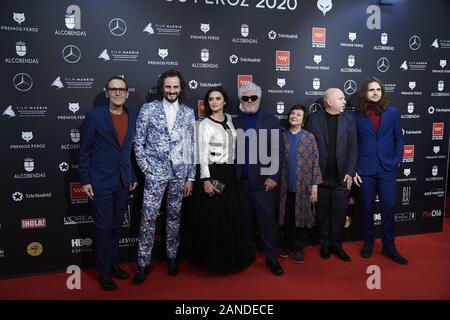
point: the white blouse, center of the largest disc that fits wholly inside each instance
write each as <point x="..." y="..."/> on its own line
<point x="215" y="144"/>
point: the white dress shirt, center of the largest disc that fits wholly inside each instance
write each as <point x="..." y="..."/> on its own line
<point x="170" y="110"/>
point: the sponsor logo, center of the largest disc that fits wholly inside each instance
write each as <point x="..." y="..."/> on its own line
<point x="438" y="131"/>
<point x="436" y="213"/>
<point x="35" y="249"/>
<point x="34" y="223"/>
<point x="414" y="42"/>
<point x="117" y="27"/>
<point x="243" y="79"/>
<point x="282" y="60"/>
<point x="77" y="195"/>
<point x="319" y="37"/>
<point x="408" y="153"/>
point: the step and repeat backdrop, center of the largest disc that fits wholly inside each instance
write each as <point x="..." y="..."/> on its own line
<point x="56" y="56"/>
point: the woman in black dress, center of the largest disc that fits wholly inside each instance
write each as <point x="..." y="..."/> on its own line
<point x="215" y="234"/>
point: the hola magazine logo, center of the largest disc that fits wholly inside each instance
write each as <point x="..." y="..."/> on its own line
<point x="33" y="223"/>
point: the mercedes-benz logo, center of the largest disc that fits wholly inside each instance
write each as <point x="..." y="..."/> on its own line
<point x="383" y="64"/>
<point x="71" y="53"/>
<point x="22" y="82"/>
<point x="350" y="87"/>
<point x="414" y="42"/>
<point x="117" y="27"/>
<point x="315" y="107"/>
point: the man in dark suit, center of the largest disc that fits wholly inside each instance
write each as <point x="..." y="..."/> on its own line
<point x="380" y="145"/>
<point x="335" y="134"/>
<point x="259" y="150"/>
<point x="107" y="175"/>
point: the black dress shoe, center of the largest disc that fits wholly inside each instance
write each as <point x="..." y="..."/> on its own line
<point x="140" y="275"/>
<point x="275" y="267"/>
<point x="118" y="273"/>
<point x="341" y="254"/>
<point x="284" y="253"/>
<point x="394" y="255"/>
<point x="298" y="256"/>
<point x="172" y="267"/>
<point x="367" y="250"/>
<point x="325" y="252"/>
<point x="106" y="282"/>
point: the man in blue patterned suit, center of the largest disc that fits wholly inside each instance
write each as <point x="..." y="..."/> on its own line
<point x="164" y="147"/>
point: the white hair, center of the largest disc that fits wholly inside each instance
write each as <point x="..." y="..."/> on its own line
<point x="249" y="87"/>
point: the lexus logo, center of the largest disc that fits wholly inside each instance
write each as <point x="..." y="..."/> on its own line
<point x="383" y="64"/>
<point x="350" y="87"/>
<point x="414" y="42"/>
<point x="117" y="27"/>
<point x="71" y="53"/>
<point x="22" y="82"/>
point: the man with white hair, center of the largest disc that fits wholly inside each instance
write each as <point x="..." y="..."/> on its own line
<point x="258" y="178"/>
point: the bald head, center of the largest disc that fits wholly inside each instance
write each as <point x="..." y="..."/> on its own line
<point x="334" y="101"/>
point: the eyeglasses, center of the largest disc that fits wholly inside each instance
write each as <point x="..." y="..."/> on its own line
<point x="121" y="91"/>
<point x="252" y="98"/>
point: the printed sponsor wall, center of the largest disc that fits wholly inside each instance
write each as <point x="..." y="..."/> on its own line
<point x="56" y="56"/>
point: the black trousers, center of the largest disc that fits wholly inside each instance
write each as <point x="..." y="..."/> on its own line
<point x="293" y="238"/>
<point x="331" y="211"/>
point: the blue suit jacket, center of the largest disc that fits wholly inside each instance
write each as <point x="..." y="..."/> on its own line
<point x="103" y="162"/>
<point x="268" y="122"/>
<point x="382" y="149"/>
<point x="346" y="143"/>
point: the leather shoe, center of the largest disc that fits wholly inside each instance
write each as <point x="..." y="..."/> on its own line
<point x="284" y="253"/>
<point x="367" y="250"/>
<point x="341" y="254"/>
<point x="298" y="256"/>
<point x="172" y="267"/>
<point x="325" y="252"/>
<point x="118" y="273"/>
<point x="140" y="275"/>
<point x="106" y="282"/>
<point x="394" y="255"/>
<point x="275" y="267"/>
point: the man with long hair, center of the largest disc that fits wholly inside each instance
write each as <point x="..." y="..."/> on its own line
<point x="380" y="153"/>
<point x="164" y="147"/>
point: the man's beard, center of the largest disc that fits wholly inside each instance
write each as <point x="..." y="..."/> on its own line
<point x="171" y="100"/>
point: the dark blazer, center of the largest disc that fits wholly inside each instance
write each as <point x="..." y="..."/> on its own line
<point x="264" y="121"/>
<point x="346" y="142"/>
<point x="102" y="160"/>
<point x="379" y="148"/>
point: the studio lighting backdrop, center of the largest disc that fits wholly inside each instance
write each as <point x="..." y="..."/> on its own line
<point x="55" y="57"/>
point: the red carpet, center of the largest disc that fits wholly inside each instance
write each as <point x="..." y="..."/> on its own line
<point x="427" y="276"/>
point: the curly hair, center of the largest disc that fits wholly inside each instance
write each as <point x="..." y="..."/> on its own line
<point x="160" y="83"/>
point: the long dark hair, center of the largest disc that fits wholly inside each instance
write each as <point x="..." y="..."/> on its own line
<point x="220" y="89"/>
<point x="362" y="102"/>
<point x="160" y="83"/>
